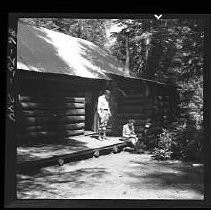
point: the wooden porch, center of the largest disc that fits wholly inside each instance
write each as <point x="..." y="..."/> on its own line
<point x="72" y="149"/>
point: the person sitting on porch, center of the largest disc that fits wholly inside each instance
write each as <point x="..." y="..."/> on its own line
<point x="128" y="133"/>
<point x="104" y="113"/>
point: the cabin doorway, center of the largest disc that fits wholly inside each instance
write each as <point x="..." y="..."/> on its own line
<point x="90" y="111"/>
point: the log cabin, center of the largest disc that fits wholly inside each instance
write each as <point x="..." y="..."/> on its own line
<point x="60" y="78"/>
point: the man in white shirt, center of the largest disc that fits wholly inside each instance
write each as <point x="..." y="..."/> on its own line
<point x="128" y="132"/>
<point x="104" y="113"/>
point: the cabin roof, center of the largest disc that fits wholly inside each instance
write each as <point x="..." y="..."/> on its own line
<point x="48" y="51"/>
<point x="44" y="51"/>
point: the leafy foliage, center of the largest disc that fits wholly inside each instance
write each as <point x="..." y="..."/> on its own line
<point x="163" y="150"/>
<point x="180" y="141"/>
<point x="166" y="50"/>
<point x="170" y="51"/>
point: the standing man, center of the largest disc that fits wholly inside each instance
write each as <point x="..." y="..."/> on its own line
<point x="104" y="113"/>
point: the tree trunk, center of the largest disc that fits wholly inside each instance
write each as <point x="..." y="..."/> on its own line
<point x="127" y="56"/>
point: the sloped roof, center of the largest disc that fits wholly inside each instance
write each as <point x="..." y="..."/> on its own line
<point x="47" y="51"/>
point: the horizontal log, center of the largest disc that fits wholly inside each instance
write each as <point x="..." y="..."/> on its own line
<point x="161" y="109"/>
<point x="51" y="99"/>
<point x="142" y="102"/>
<point x="134" y="101"/>
<point x="52" y="120"/>
<point x="145" y="112"/>
<point x="49" y="135"/>
<point x="133" y="115"/>
<point x="53" y="127"/>
<point x="135" y="96"/>
<point x="134" y="109"/>
<point x="51" y="106"/>
<point x="51" y="93"/>
<point x="55" y="113"/>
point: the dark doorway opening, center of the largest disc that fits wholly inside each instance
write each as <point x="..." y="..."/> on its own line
<point x="90" y="108"/>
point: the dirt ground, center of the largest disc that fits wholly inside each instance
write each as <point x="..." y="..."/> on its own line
<point x="114" y="176"/>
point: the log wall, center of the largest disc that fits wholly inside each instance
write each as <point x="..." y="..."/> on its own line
<point x="146" y="103"/>
<point x="48" y="112"/>
<point x="52" y="111"/>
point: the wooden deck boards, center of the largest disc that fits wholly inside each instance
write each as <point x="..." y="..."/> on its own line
<point x="75" y="148"/>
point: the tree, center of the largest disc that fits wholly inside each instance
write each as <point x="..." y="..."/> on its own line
<point x="158" y="49"/>
<point x="170" y="51"/>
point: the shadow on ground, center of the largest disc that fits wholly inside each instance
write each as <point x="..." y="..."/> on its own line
<point x="51" y="180"/>
<point x="164" y="174"/>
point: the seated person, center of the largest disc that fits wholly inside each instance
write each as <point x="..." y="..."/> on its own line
<point x="128" y="133"/>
